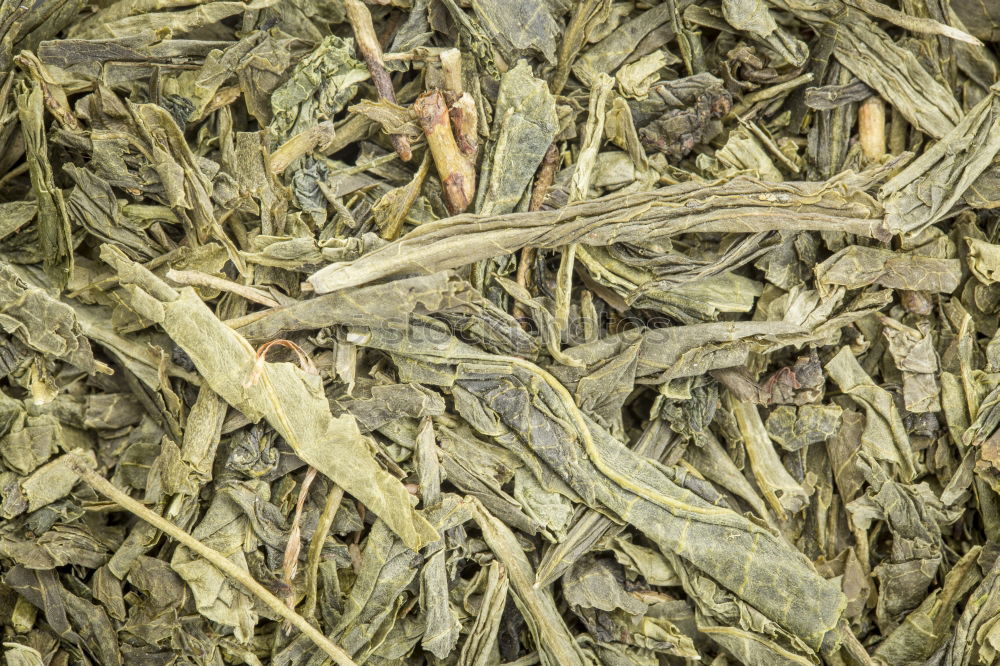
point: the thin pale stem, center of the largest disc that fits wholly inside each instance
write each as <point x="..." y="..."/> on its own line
<point x="333" y="500"/>
<point x="217" y="559"/>
<point x="199" y="279"/>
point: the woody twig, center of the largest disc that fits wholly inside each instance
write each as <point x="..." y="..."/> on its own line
<point x="871" y="128"/>
<point x="456" y="171"/>
<point x="371" y="51"/>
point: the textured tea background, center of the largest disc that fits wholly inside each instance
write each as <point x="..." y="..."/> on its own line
<point x="476" y="332"/>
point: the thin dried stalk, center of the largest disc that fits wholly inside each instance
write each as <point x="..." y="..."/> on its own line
<point x="199" y="279"/>
<point x="371" y="51"/>
<point x="461" y="105"/>
<point x="314" y="138"/>
<point x="465" y="124"/>
<point x="546" y="175"/>
<point x="290" y="562"/>
<point x="217" y="559"/>
<point x="333" y="499"/>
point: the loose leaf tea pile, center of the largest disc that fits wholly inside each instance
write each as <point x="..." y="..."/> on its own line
<point x="480" y="332"/>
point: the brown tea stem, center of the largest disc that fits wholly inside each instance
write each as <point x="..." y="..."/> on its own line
<point x="451" y="68"/>
<point x="871" y="128"/>
<point x="546" y="176"/>
<point x="371" y="51"/>
<point x="543" y="181"/>
<point x="457" y="174"/>
<point x="217" y="559"/>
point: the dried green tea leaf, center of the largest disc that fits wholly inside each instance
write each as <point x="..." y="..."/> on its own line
<point x="926" y="628"/>
<point x="915" y="516"/>
<point x="913" y="352"/>
<point x="479" y="647"/>
<point x="14" y="215"/>
<point x="858" y="266"/>
<point x="928" y="188"/>
<point x="54" y="234"/>
<point x="518" y="26"/>
<point x="778" y="487"/>
<point x="888" y="68"/>
<point x="740" y="205"/>
<point x="884" y="437"/>
<point x="527" y="123"/>
<point x="983" y="260"/>
<point x="797" y="427"/>
<point x="321" y="84"/>
<point x="754" y="17"/>
<point x="291" y="400"/>
<point x="613" y="50"/>
<point x="553" y="641"/>
<point x="41" y="322"/>
<point x="610" y="476"/>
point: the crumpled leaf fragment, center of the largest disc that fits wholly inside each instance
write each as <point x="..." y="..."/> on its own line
<point x="912" y="350"/>
<point x="320" y="86"/>
<point x="915" y="516"/>
<point x="884" y="436"/>
<point x="926" y="628"/>
<point x="54" y="233"/>
<point x="223" y="527"/>
<point x="983" y="260"/>
<point x="678" y="115"/>
<point x="930" y="186"/>
<point x="973" y="642"/>
<point x="738" y="626"/>
<point x="797" y="427"/>
<point x="635" y="79"/>
<point x="612" y="50"/>
<point x="886" y="66"/>
<point x="518" y="26"/>
<point x="754" y="17"/>
<point x="858" y="266"/>
<point x="72" y="618"/>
